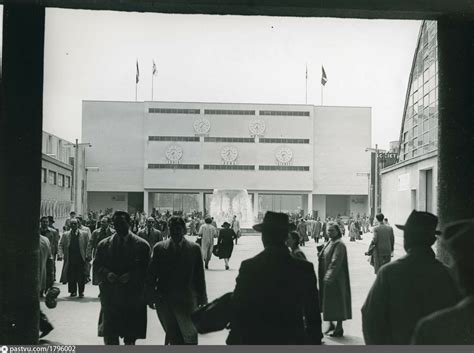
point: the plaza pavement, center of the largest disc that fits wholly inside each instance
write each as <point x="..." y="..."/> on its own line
<point x="75" y="320"/>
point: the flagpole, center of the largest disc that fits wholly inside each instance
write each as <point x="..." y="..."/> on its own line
<point x="322" y="90"/>
<point x="152" y="79"/>
<point x="306" y="93"/>
<point x="136" y="89"/>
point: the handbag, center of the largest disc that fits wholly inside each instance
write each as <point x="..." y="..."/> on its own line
<point x="214" y="316"/>
<point x="215" y="250"/>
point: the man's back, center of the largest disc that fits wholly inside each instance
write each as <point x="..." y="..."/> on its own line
<point x="405" y="291"/>
<point x="272" y="294"/>
<point x="384" y="240"/>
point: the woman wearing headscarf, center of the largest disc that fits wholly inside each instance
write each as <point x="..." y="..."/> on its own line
<point x="225" y="243"/>
<point x="334" y="283"/>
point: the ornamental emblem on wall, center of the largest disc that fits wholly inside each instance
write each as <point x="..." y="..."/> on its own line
<point x="229" y="154"/>
<point x="202" y="126"/>
<point x="174" y="154"/>
<point x="257" y="127"/>
<point x="284" y="155"/>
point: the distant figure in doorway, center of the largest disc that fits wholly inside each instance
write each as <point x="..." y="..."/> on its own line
<point x="409" y="288"/>
<point x="454" y="325"/>
<point x="302" y="230"/>
<point x="334" y="282"/>
<point x="176" y="285"/>
<point x="318" y="227"/>
<point x="207" y="232"/>
<point x="150" y="233"/>
<point x="225" y="243"/>
<point x="276" y="296"/>
<point x="383" y="244"/>
<point x="73" y="249"/>
<point x="293" y="243"/>
<point x="121" y="265"/>
<point x="236" y="228"/>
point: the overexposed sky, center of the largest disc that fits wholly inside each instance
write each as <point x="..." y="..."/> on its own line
<point x="91" y="55"/>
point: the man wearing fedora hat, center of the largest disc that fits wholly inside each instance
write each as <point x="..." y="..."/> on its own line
<point x="454" y="325"/>
<point x="276" y="299"/>
<point x="409" y="288"/>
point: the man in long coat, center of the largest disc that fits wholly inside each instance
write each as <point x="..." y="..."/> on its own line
<point x="276" y="295"/>
<point x="409" y="288"/>
<point x="384" y="241"/>
<point x="318" y="227"/>
<point x="150" y="233"/>
<point x="73" y="248"/>
<point x="176" y="285"/>
<point x="208" y="232"/>
<point x="46" y="279"/>
<point x="98" y="235"/>
<point x="235" y="226"/>
<point x="302" y="230"/>
<point x="53" y="237"/>
<point x="120" y="265"/>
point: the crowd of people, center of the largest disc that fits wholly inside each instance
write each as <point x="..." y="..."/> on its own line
<point x="139" y="261"/>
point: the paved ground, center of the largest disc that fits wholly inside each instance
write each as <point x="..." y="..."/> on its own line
<point x="75" y="320"/>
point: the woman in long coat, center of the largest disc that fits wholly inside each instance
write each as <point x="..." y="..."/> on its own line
<point x="334" y="283"/>
<point x="225" y="243"/>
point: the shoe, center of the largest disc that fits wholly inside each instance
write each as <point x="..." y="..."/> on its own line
<point x="337" y="333"/>
<point x="73" y="295"/>
<point x="227" y="267"/>
<point x="46" y="330"/>
<point x="330" y="328"/>
<point x="81" y="295"/>
<point x="206" y="267"/>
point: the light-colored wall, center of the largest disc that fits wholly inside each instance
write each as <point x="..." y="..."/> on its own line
<point x="341" y="135"/>
<point x="104" y="200"/>
<point x="397" y="199"/>
<point x="115" y="130"/>
<point x="319" y="204"/>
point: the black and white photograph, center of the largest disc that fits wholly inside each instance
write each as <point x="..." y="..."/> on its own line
<point x="236" y="173"/>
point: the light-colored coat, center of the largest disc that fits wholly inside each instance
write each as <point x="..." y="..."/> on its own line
<point x="208" y="233"/>
<point x="334" y="282"/>
<point x="64" y="250"/>
<point x="45" y="256"/>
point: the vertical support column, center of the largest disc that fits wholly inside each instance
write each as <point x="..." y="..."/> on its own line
<point x="21" y="113"/>
<point x="201" y="202"/>
<point x="146" y="201"/>
<point x="255" y="206"/>
<point x="456" y="123"/>
<point x="310" y="204"/>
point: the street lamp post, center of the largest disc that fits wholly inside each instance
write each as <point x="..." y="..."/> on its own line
<point x="76" y="167"/>
<point x="367" y="174"/>
<point x="376" y="150"/>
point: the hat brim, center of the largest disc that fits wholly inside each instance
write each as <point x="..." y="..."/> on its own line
<point x="402" y="227"/>
<point x="258" y="227"/>
<point x="261" y="226"/>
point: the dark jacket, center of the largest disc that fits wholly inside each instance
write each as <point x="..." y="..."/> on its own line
<point x="451" y="326"/>
<point x="177" y="275"/>
<point x="152" y="237"/>
<point x="123" y="306"/>
<point x="276" y="301"/>
<point x="225" y="242"/>
<point x="384" y="241"/>
<point x="405" y="291"/>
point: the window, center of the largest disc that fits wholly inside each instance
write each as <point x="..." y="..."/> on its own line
<point x="173" y="111"/>
<point x="282" y="140"/>
<point x="52" y="177"/>
<point x="44" y="178"/>
<point x="61" y="180"/>
<point x="228" y="167"/>
<point x="284" y="168"/>
<point x="230" y="139"/>
<point x="228" y="112"/>
<point x="68" y="181"/>
<point x="282" y="113"/>
<point x="174" y="138"/>
<point x="173" y="166"/>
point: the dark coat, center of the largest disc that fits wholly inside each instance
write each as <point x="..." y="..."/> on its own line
<point x="225" y="243"/>
<point x="384" y="241"/>
<point x="96" y="238"/>
<point x="334" y="282"/>
<point x="53" y="236"/>
<point x="152" y="237"/>
<point x="123" y="306"/>
<point x="405" y="291"/>
<point x="450" y="326"/>
<point x="177" y="276"/>
<point x="276" y="301"/>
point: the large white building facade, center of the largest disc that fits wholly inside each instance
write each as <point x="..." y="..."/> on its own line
<point x="412" y="182"/>
<point x="171" y="156"/>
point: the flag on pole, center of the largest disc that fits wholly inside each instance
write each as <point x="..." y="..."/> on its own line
<point x="324" y="78"/>
<point x="154" y="68"/>
<point x="137" y="77"/>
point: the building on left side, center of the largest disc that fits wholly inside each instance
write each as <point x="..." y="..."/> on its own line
<point x="60" y="193"/>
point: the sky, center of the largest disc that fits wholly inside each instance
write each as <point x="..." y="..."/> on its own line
<point x="91" y="55"/>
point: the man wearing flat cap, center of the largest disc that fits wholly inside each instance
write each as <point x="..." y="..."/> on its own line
<point x="409" y="288"/>
<point x="276" y="299"/>
<point x="454" y="325"/>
